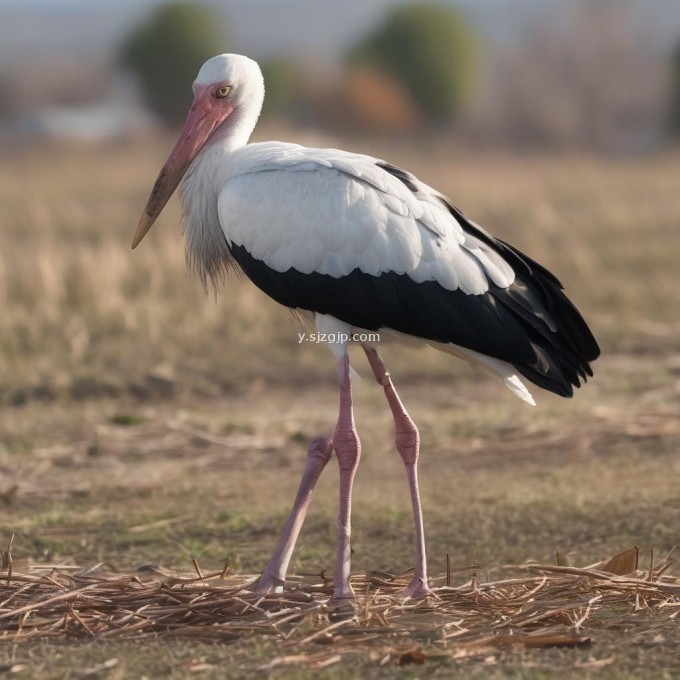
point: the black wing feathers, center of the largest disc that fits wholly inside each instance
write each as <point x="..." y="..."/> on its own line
<point x="563" y="343"/>
<point x="531" y="324"/>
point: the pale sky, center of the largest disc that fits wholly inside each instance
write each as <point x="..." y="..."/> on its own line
<point x="266" y="28"/>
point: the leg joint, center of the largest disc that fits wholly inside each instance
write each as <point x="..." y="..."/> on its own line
<point x="321" y="448"/>
<point x="347" y="449"/>
<point x="407" y="440"/>
<point x="407" y="445"/>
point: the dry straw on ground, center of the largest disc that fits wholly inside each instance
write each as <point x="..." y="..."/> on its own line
<point x="538" y="605"/>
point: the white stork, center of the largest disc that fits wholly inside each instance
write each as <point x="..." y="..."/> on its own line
<point x="359" y="245"/>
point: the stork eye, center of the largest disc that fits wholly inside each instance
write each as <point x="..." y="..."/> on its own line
<point x="223" y="91"/>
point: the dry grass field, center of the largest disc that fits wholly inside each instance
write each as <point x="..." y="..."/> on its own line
<point x="144" y="424"/>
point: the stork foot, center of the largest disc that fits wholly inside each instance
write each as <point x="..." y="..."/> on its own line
<point x="340" y="608"/>
<point x="343" y="593"/>
<point x="268" y="585"/>
<point x="417" y="589"/>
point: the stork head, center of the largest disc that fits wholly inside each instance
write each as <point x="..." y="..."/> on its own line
<point x="225" y="85"/>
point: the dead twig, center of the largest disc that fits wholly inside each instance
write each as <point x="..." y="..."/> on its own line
<point x="7" y="560"/>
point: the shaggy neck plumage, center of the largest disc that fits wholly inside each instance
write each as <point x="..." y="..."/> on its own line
<point x="206" y="249"/>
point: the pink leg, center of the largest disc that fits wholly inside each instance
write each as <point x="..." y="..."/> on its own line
<point x="348" y="450"/>
<point x="274" y="575"/>
<point x="408" y="444"/>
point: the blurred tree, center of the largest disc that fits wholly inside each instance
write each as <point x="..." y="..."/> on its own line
<point x="430" y="50"/>
<point x="358" y="100"/>
<point x="373" y="100"/>
<point x="166" y="51"/>
<point x="280" y="84"/>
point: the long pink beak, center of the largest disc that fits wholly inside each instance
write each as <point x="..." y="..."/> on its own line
<point x="199" y="126"/>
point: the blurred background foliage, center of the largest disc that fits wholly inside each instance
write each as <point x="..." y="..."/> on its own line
<point x="417" y="65"/>
<point x="596" y="74"/>
<point x="429" y="50"/>
<point x="166" y="51"/>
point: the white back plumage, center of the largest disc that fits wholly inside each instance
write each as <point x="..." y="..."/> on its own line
<point x="323" y="210"/>
<point x="330" y="212"/>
